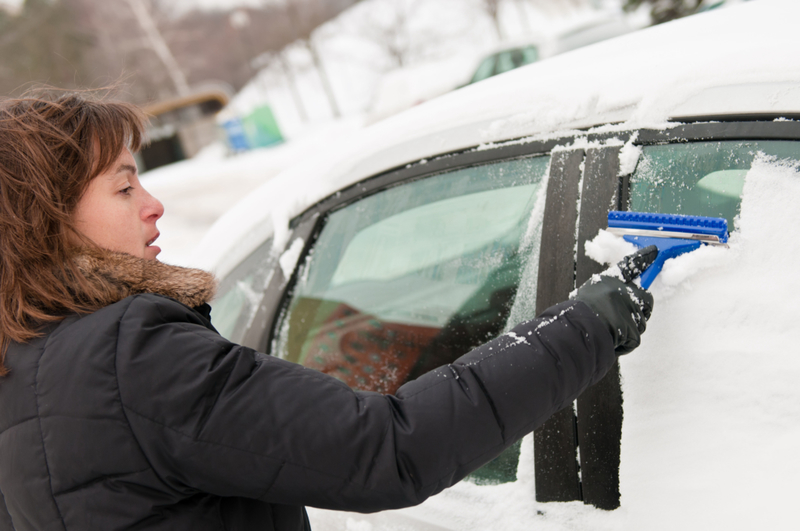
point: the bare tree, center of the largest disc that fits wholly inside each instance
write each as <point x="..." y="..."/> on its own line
<point x="71" y="43"/>
<point x="665" y="10"/>
<point x="390" y="28"/>
<point x="492" y="8"/>
<point x="558" y="8"/>
<point x="523" y="15"/>
<point x="42" y="44"/>
<point x="122" y="50"/>
<point x="153" y="35"/>
<point x="303" y="17"/>
<point x="223" y="44"/>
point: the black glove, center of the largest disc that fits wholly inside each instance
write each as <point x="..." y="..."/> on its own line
<point x="622" y="305"/>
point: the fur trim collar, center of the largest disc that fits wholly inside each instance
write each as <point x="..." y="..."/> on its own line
<point x="119" y="275"/>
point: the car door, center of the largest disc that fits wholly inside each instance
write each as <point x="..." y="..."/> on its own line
<point x="694" y="169"/>
<point x="411" y="268"/>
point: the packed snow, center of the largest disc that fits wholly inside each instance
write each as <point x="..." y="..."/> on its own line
<point x="606" y="248"/>
<point x="711" y="409"/>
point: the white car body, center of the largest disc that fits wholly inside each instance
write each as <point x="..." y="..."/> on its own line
<point x="712" y="407"/>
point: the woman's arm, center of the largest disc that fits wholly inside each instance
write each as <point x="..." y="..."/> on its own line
<point x="216" y="417"/>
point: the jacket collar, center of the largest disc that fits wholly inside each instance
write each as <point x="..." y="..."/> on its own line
<point x="119" y="275"/>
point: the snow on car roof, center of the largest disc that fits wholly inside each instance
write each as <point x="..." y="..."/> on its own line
<point x="736" y="61"/>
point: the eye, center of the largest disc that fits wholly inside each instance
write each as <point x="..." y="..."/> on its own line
<point x="127" y="190"/>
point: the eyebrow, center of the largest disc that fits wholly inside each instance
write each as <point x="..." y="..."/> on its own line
<point x="126" y="167"/>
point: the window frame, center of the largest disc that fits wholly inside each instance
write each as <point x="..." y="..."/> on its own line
<point x="309" y="224"/>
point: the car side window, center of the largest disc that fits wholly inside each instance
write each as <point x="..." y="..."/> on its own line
<point x="485" y="69"/>
<point x="700" y="178"/>
<point x="410" y="278"/>
<point x="511" y="59"/>
<point x="238" y="295"/>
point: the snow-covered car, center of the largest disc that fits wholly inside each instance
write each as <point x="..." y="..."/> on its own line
<point x="443" y="226"/>
<point x="508" y="57"/>
<point x="405" y="87"/>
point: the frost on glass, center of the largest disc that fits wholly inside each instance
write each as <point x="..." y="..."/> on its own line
<point x="700" y="179"/>
<point x="412" y="277"/>
<point x="524" y="305"/>
<point x="409" y="279"/>
<point x="234" y="307"/>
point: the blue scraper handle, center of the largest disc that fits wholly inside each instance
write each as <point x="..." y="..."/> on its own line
<point x="672" y="234"/>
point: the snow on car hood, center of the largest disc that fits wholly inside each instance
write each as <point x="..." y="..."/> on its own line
<point x="734" y="61"/>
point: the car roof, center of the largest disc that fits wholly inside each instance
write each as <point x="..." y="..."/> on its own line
<point x="734" y="62"/>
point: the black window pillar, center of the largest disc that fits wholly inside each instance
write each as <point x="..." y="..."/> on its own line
<point x="555" y="442"/>
<point x="600" y="406"/>
<point x="597" y="427"/>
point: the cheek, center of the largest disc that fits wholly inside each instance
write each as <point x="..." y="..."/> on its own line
<point x="108" y="224"/>
<point x="94" y="222"/>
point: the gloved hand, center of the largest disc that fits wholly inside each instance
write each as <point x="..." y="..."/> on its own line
<point x="622" y="305"/>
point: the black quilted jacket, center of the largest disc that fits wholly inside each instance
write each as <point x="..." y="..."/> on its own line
<point x="140" y="416"/>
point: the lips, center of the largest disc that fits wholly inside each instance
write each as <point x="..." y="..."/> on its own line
<point x="153" y="240"/>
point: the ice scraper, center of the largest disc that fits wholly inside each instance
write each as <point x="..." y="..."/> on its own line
<point x="672" y="234"/>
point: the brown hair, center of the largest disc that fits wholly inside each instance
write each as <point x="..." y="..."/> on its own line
<point x="51" y="147"/>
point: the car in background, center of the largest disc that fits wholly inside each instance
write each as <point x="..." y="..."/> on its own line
<point x="440" y="228"/>
<point x="505" y="60"/>
<point x="508" y="57"/>
<point x="406" y="87"/>
<point x="708" y="5"/>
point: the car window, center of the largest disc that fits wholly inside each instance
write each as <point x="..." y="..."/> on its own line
<point x="530" y="54"/>
<point x="410" y="278"/>
<point x="700" y="178"/>
<point x="484" y="70"/>
<point x="511" y="59"/>
<point x="239" y="293"/>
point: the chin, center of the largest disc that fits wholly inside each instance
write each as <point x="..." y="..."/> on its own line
<point x="151" y="252"/>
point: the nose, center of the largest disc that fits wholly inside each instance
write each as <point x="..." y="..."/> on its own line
<point x="152" y="208"/>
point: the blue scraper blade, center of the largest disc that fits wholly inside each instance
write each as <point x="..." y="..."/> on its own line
<point x="672" y="234"/>
<point x="698" y="225"/>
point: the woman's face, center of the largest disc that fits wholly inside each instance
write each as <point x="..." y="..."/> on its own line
<point x="117" y="214"/>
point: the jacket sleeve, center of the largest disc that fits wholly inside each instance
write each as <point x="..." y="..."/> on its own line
<point x="5" y="519"/>
<point x="215" y="417"/>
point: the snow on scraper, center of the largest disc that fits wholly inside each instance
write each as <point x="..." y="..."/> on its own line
<point x="672" y="234"/>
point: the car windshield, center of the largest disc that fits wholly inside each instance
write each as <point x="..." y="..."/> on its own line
<point x="700" y="178"/>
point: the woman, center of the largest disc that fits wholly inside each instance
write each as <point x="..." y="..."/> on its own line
<point x="122" y="408"/>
